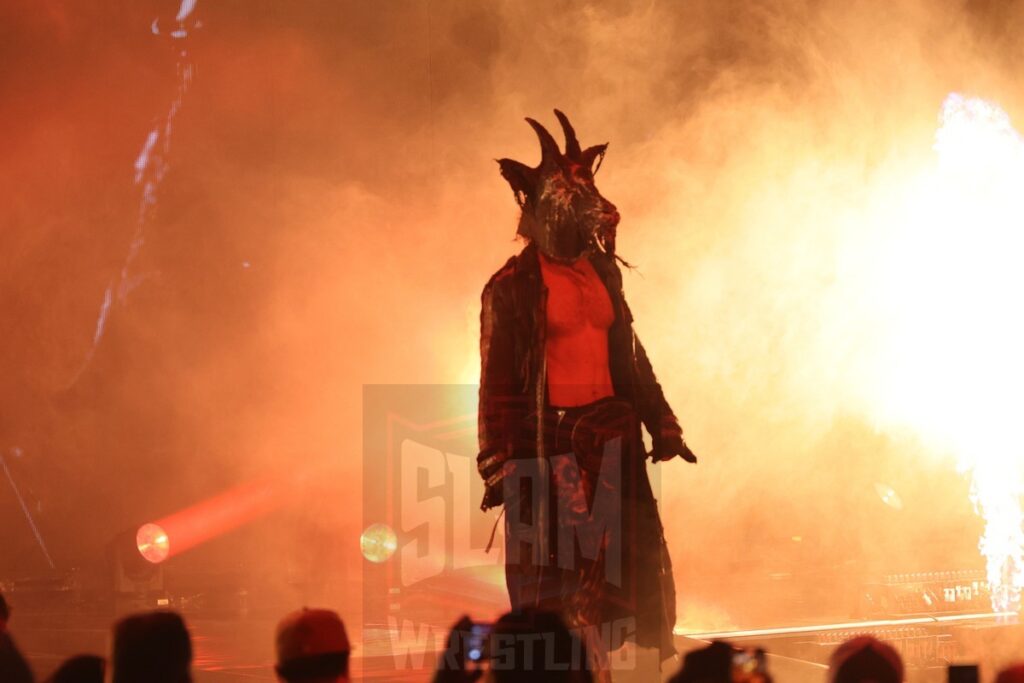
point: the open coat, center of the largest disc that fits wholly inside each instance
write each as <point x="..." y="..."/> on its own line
<point x="513" y="388"/>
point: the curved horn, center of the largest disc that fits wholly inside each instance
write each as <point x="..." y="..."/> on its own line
<point x="572" y="145"/>
<point x="548" y="146"/>
<point x="590" y="154"/>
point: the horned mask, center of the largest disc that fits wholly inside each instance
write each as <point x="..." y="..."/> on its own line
<point x="562" y="211"/>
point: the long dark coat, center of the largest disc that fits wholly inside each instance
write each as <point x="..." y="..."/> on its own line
<point x="513" y="386"/>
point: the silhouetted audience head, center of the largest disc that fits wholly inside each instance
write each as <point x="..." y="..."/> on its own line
<point x="5" y="613"/>
<point x="1013" y="674"/>
<point x="711" y="664"/>
<point x="312" y="647"/>
<point x="152" y="647"/>
<point x="80" y="669"/>
<point x="13" y="667"/>
<point x="535" y="645"/>
<point x="864" y="659"/>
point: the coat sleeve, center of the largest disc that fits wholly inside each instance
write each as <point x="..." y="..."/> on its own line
<point x="654" y="408"/>
<point x="655" y="411"/>
<point x="499" y="390"/>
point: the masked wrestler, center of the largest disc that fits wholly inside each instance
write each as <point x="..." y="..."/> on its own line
<point x="565" y="387"/>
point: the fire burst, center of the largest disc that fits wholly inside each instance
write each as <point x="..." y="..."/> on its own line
<point x="952" y="353"/>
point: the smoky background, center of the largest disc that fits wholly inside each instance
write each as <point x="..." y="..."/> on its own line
<point x="332" y="211"/>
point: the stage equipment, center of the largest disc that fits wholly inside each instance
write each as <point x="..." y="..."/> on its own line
<point x="947" y="592"/>
<point x="138" y="583"/>
<point x="152" y="543"/>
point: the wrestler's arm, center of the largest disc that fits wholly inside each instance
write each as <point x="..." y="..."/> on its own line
<point x="657" y="415"/>
<point x="654" y="410"/>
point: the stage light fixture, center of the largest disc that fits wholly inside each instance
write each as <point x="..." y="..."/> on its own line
<point x="378" y="543"/>
<point x="138" y="581"/>
<point x="153" y="543"/>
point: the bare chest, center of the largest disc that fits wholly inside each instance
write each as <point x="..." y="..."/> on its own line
<point x="577" y="300"/>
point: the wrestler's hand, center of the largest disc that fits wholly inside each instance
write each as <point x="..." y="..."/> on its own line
<point x="493" y="466"/>
<point x="669" y="442"/>
<point x="669" y="451"/>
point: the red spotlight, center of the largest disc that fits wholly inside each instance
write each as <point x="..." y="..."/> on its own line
<point x="215" y="516"/>
<point x="152" y="542"/>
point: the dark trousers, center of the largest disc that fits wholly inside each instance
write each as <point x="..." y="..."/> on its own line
<point x="582" y="533"/>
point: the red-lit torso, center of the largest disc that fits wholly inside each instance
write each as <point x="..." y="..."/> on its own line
<point x="579" y="315"/>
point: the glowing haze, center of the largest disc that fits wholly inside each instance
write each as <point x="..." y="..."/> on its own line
<point x="826" y="284"/>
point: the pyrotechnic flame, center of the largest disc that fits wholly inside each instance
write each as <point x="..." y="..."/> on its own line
<point x="951" y="357"/>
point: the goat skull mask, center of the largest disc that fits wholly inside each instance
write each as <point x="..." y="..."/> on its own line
<point x="562" y="211"/>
